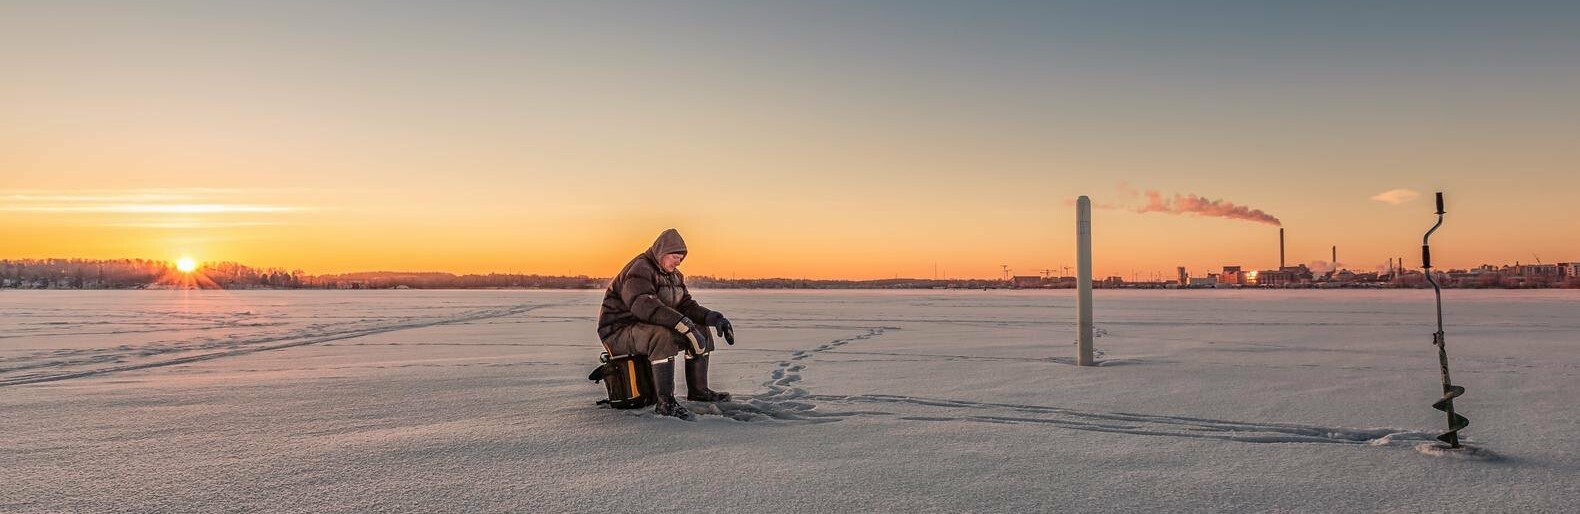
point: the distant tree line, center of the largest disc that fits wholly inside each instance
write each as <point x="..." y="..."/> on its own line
<point x="144" y="273"/>
<point x="134" y="273"/>
<point x="439" y="280"/>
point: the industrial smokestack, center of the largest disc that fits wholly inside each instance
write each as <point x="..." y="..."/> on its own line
<point x="1280" y="248"/>
<point x="1335" y="258"/>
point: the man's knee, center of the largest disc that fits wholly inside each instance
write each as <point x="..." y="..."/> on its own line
<point x="664" y="343"/>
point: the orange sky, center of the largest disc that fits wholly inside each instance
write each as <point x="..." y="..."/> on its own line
<point x="818" y="141"/>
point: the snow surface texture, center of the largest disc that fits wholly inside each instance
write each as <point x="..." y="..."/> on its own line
<point x="372" y="401"/>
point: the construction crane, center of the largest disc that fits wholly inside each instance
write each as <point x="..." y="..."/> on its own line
<point x="1006" y="271"/>
<point x="1045" y="273"/>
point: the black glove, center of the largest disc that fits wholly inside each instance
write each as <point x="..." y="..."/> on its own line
<point x="719" y="323"/>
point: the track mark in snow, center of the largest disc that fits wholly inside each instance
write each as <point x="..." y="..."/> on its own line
<point x="781" y="402"/>
<point x="789" y="372"/>
<point x="300" y="340"/>
<point x="1142" y="424"/>
<point x="759" y="410"/>
<point x="914" y="357"/>
<point x="755" y="410"/>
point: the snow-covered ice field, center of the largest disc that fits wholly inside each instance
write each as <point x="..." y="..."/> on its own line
<point x="421" y="401"/>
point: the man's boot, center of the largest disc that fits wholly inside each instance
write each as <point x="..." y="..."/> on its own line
<point x="697" y="382"/>
<point x="664" y="383"/>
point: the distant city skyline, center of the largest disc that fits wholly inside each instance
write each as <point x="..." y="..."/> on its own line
<point x="810" y="139"/>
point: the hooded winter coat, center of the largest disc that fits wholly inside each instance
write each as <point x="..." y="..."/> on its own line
<point x="644" y="293"/>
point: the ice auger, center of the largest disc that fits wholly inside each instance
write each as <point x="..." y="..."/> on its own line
<point x="1450" y="391"/>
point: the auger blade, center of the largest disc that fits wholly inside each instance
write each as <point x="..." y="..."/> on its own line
<point x="1458" y="423"/>
<point x="1448" y="398"/>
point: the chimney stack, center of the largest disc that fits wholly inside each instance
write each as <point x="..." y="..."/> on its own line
<point x="1280" y="248"/>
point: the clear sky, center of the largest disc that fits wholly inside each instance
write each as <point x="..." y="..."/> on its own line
<point x="816" y="139"/>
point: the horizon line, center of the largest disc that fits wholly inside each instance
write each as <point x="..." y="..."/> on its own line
<point x="203" y="264"/>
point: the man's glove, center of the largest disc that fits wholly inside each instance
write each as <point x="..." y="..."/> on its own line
<point x="719" y="323"/>
<point x="697" y="341"/>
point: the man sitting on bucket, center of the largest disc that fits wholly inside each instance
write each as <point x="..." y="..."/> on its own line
<point x="647" y="311"/>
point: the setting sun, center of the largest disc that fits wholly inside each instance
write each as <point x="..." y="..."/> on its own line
<point x="186" y="264"/>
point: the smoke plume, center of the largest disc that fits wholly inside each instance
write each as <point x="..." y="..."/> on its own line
<point x="1192" y="204"/>
<point x="1395" y="196"/>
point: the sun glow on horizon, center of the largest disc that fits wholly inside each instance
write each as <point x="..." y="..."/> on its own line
<point x="186" y="264"/>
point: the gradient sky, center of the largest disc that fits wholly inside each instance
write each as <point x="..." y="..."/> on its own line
<point x="801" y="139"/>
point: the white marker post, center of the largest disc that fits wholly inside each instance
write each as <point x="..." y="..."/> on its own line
<point x="1083" y="280"/>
